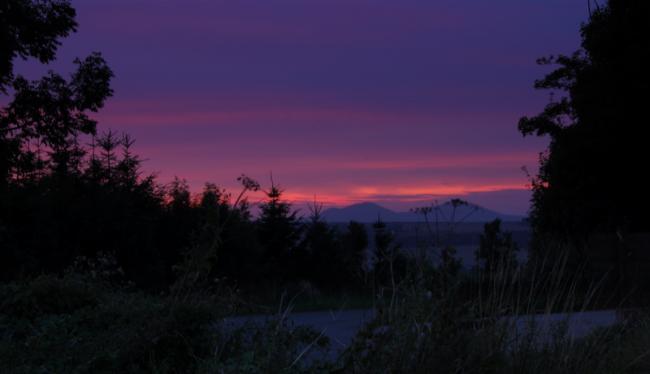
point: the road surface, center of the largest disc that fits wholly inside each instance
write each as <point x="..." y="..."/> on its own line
<point x="341" y="326"/>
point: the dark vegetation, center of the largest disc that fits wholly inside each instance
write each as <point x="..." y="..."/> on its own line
<point x="589" y="194"/>
<point x="590" y="177"/>
<point x="105" y="269"/>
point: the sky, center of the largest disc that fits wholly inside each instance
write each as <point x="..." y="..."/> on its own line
<point x="399" y="102"/>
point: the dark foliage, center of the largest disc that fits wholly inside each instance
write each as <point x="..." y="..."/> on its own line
<point x="497" y="249"/>
<point x="278" y="231"/>
<point x="317" y="257"/>
<point x="31" y="28"/>
<point x="390" y="264"/>
<point x="354" y="243"/>
<point x="591" y="177"/>
<point x="77" y="325"/>
<point x="330" y="259"/>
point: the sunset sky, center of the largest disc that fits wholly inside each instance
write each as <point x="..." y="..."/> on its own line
<point x="399" y="102"/>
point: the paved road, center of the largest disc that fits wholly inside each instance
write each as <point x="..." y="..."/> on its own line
<point x="341" y="326"/>
<point x="579" y="324"/>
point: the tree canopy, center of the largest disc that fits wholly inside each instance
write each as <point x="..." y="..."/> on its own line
<point x="591" y="177"/>
<point x="31" y="28"/>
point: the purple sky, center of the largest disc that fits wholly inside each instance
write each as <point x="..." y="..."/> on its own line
<point x="399" y="102"/>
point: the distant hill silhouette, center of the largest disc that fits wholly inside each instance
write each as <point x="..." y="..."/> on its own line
<point x="368" y="212"/>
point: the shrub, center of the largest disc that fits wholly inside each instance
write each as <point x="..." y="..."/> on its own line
<point x="46" y="295"/>
<point x="71" y="325"/>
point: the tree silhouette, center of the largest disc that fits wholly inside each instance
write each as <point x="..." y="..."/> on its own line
<point x="591" y="176"/>
<point x="31" y="28"/>
<point x="51" y="112"/>
<point x="318" y="257"/>
<point x="278" y="231"/>
<point x="389" y="264"/>
<point x="497" y="249"/>
<point x="47" y="207"/>
<point x="354" y="243"/>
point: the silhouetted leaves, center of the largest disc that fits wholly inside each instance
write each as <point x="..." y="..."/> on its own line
<point x="591" y="177"/>
<point x="30" y="28"/>
<point x="47" y="117"/>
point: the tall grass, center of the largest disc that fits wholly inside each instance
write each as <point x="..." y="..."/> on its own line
<point x="495" y="322"/>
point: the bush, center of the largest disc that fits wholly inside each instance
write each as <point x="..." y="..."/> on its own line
<point x="70" y="325"/>
<point x="64" y="325"/>
<point x="46" y="295"/>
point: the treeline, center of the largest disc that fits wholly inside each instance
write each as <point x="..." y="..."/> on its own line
<point x="101" y="206"/>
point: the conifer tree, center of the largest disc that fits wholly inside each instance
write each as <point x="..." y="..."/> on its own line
<point x="278" y="230"/>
